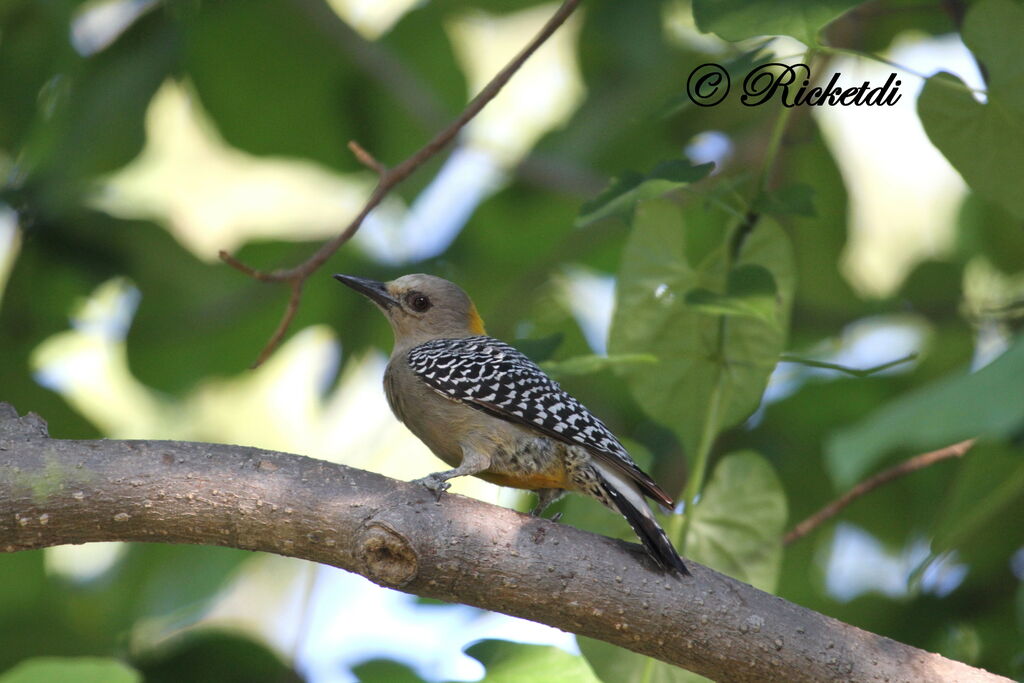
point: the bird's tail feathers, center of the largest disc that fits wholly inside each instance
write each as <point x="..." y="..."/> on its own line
<point x="626" y="497"/>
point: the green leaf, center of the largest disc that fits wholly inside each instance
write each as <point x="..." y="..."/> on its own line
<point x="735" y="68"/>
<point x="78" y="669"/>
<point x="25" y="581"/>
<point x="735" y="20"/>
<point x="737" y="524"/>
<point x="614" y="664"/>
<point x="819" y="242"/>
<point x="142" y="584"/>
<point x="259" y="47"/>
<point x="518" y="663"/>
<point x="749" y="291"/>
<point x="1020" y="607"/>
<point x="540" y="350"/>
<point x="146" y="583"/>
<point x="791" y="200"/>
<point x="987" y="228"/>
<point x="31" y="69"/>
<point x="212" y="655"/>
<point x="652" y="316"/>
<point x="988" y="403"/>
<point x="619" y="198"/>
<point x="962" y="642"/>
<point x="589" y="364"/>
<point x="984" y="142"/>
<point x="90" y="132"/>
<point x="385" y="671"/>
<point x="990" y="481"/>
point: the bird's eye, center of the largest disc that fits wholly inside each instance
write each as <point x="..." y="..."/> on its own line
<point x="418" y="302"/>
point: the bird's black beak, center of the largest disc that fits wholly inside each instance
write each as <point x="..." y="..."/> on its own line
<point x="375" y="291"/>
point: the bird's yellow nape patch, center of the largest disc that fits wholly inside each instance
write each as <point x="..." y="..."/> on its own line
<point x="476" y="323"/>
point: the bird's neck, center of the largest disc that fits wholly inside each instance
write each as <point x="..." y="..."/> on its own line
<point x="410" y="341"/>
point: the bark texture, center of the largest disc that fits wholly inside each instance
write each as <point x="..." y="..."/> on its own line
<point x="54" y="492"/>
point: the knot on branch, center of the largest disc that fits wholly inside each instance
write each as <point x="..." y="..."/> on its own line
<point x="387" y="556"/>
<point x="14" y="428"/>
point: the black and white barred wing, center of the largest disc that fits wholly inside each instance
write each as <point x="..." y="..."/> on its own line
<point x="494" y="377"/>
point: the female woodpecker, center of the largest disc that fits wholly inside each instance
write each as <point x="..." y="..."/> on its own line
<point x="487" y="410"/>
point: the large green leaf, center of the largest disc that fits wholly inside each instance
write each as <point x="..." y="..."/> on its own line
<point x="989" y="484"/>
<point x="824" y="300"/>
<point x="619" y="198"/>
<point x="146" y="586"/>
<point x="741" y="19"/>
<point x="271" y="79"/>
<point x="984" y="142"/>
<point x="789" y="200"/>
<point x="1020" y="607"/>
<point x="94" y="118"/>
<point x="588" y="364"/>
<point x="737" y="524"/>
<point x="670" y="253"/>
<point x="749" y="291"/>
<point x="208" y="655"/>
<point x="987" y="403"/>
<point x="385" y="671"/>
<point x="987" y="228"/>
<point x="78" y="669"/>
<point x="34" y="609"/>
<point x="37" y="56"/>
<point x="518" y="663"/>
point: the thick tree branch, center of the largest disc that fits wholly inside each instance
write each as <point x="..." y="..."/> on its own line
<point x="460" y="550"/>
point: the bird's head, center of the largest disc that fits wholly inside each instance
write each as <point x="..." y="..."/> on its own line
<point x="420" y="307"/>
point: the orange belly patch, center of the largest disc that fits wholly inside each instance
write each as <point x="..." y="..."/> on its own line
<point x="531" y="482"/>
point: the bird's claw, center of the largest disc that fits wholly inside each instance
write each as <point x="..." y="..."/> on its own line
<point x="435" y="485"/>
<point x="538" y="513"/>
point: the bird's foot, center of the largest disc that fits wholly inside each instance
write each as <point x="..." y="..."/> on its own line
<point x="434" y="484"/>
<point x="546" y="497"/>
<point x="538" y="512"/>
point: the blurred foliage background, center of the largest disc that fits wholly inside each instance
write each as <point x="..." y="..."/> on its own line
<point x="138" y="138"/>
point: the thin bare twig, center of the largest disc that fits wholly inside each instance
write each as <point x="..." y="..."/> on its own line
<point x="366" y="159"/>
<point x="239" y="266"/>
<point x="411" y="92"/>
<point x="282" y="327"/>
<point x="389" y="178"/>
<point x="853" y="372"/>
<point x="868" y="485"/>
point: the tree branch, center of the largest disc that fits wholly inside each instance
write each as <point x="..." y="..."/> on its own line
<point x="457" y="549"/>
<point x="870" y="484"/>
<point x="389" y="178"/>
<point x="414" y="95"/>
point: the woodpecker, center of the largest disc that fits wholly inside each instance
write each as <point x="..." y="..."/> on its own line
<point x="487" y="410"/>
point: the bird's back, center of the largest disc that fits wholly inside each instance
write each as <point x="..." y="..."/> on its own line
<point x="495" y="378"/>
